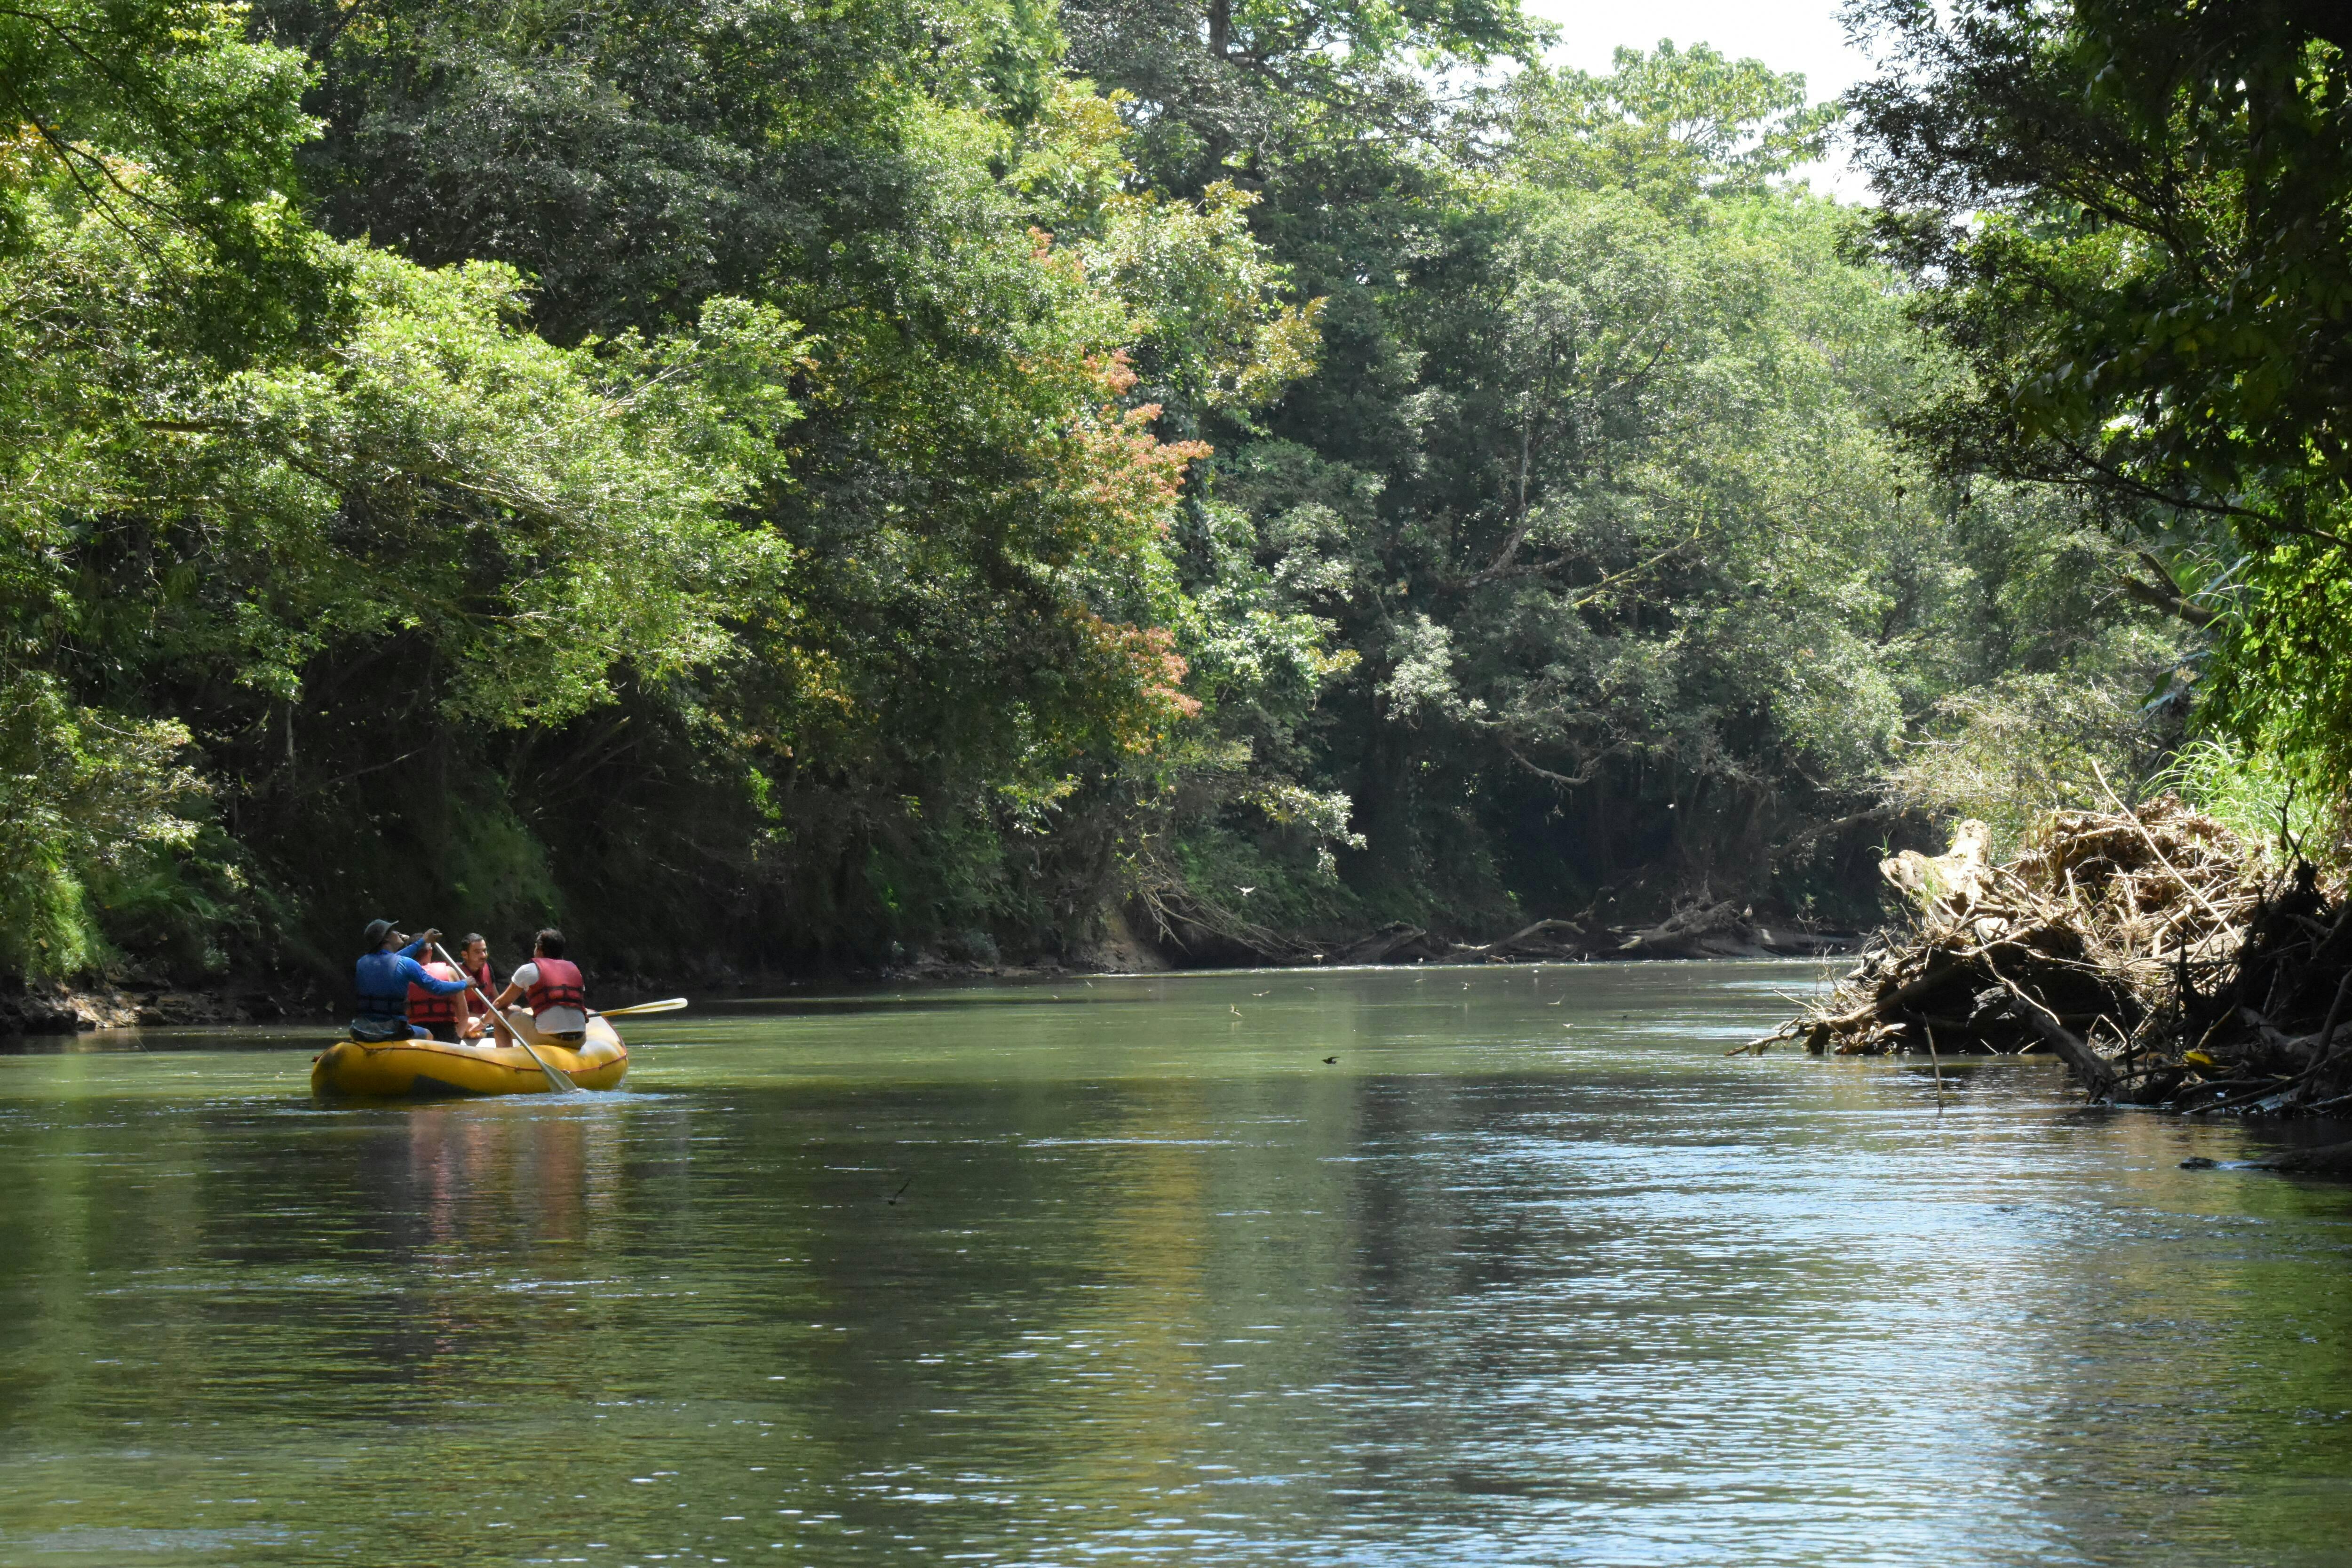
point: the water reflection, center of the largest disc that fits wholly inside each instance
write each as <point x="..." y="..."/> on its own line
<point x="545" y="1172"/>
<point x="1532" y="1273"/>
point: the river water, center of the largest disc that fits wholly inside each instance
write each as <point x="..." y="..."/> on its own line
<point x="1123" y="1271"/>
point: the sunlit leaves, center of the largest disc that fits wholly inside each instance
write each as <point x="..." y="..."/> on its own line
<point x="2131" y="220"/>
<point x="1670" y="126"/>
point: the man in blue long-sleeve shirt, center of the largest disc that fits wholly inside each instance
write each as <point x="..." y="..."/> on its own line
<point x="383" y="975"/>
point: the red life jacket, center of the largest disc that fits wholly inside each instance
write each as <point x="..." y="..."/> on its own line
<point x="559" y="986"/>
<point x="426" y="1008"/>
<point x="480" y="975"/>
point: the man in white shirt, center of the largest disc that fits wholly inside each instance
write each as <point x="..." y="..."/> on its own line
<point x="553" y="985"/>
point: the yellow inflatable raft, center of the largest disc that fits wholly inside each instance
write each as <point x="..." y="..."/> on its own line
<point x="434" y="1068"/>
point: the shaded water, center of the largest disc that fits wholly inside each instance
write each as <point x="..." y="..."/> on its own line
<point x="1532" y="1274"/>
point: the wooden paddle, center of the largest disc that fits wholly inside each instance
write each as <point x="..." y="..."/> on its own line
<point x="556" y="1079"/>
<point x="671" y="1005"/>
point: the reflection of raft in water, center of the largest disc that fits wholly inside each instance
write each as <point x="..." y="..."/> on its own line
<point x="434" y="1068"/>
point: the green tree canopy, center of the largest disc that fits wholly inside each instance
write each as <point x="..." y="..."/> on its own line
<point x="2130" y="222"/>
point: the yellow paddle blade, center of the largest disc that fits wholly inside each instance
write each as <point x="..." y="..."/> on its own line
<point x="671" y="1005"/>
<point x="557" y="1079"/>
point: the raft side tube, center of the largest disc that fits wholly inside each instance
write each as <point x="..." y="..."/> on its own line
<point x="404" y="1070"/>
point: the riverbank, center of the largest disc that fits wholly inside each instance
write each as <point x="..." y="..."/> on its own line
<point x="1196" y="935"/>
<point x="1718" y="932"/>
<point x="62" y="1009"/>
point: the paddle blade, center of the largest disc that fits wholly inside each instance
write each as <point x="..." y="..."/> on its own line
<point x="557" y="1079"/>
<point x="671" y="1005"/>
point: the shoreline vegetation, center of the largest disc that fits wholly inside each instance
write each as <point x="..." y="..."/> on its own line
<point x="899" y="487"/>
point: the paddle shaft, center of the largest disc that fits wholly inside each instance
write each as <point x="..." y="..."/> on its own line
<point x="497" y="1017"/>
<point x="555" y="1080"/>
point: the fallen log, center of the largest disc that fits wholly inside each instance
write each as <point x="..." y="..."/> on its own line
<point x="1393" y="941"/>
<point x="2098" y="1075"/>
<point x="1707" y="930"/>
<point x="1545" y="939"/>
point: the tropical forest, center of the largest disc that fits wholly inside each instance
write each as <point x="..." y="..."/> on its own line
<point x="790" y="487"/>
<point x="1176" y="783"/>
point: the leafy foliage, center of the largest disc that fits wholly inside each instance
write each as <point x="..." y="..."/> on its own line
<point x="772" y="485"/>
<point x="878" y="539"/>
<point x="1670" y="126"/>
<point x="2129" y="222"/>
<point x="1593" y="483"/>
<point x="81" y="792"/>
<point x="1220" y="89"/>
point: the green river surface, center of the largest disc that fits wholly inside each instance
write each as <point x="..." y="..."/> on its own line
<point x="1122" y="1271"/>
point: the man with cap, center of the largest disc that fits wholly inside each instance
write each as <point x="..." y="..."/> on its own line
<point x="382" y="977"/>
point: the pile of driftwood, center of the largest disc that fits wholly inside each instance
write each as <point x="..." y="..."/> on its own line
<point x="2148" y="949"/>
